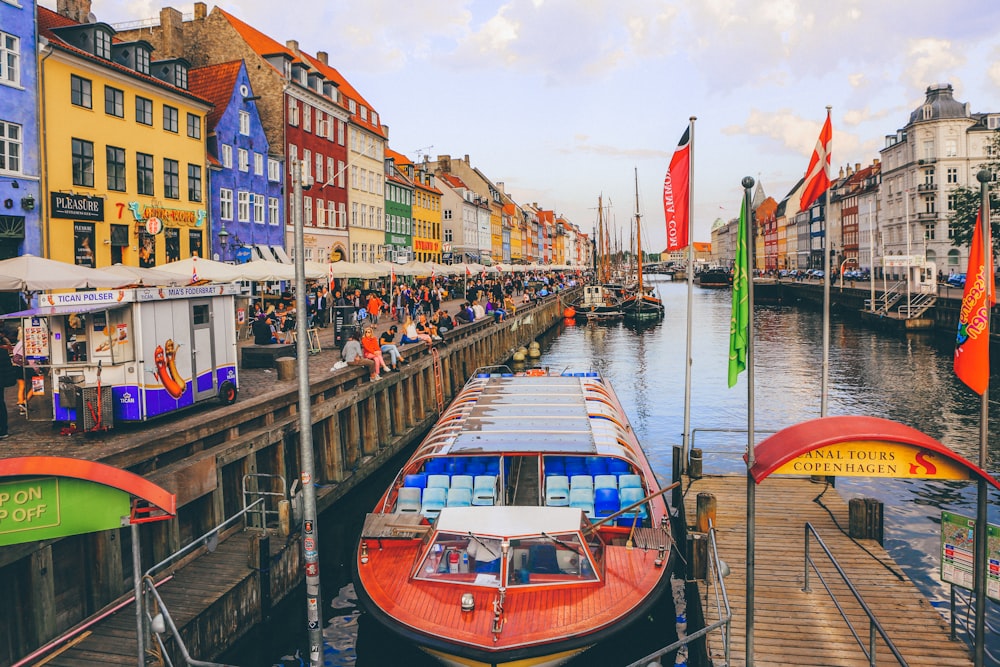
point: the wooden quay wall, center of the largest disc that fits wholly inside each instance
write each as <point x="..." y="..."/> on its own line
<point x="71" y="586"/>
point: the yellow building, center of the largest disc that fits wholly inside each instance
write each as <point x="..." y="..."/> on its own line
<point x="496" y="226"/>
<point x="123" y="150"/>
<point x="426" y="215"/>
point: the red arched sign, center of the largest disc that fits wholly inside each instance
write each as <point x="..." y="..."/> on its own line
<point x="91" y="471"/>
<point x="860" y="447"/>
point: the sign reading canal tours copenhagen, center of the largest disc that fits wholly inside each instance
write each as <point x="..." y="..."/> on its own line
<point x="869" y="458"/>
<point x="77" y="207"/>
<point x="958" y="551"/>
<point x="49" y="507"/>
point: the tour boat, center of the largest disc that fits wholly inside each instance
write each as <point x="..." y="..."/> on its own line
<point x="714" y="277"/>
<point x="527" y="526"/>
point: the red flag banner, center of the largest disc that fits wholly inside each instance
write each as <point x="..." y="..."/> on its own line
<point x="675" y="194"/>
<point x="468" y="271"/>
<point x="817" y="178"/>
<point x="972" y="346"/>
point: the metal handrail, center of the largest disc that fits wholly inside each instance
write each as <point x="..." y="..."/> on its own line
<point x="960" y="619"/>
<point x="873" y="625"/>
<point x="714" y="578"/>
<point x="149" y="589"/>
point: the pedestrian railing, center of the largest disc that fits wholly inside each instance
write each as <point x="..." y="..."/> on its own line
<point x="874" y="627"/>
<point x="962" y="605"/>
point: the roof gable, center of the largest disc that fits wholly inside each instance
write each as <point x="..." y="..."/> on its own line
<point x="215" y="83"/>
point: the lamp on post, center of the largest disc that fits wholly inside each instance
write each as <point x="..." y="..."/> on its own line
<point x="849" y="260"/>
<point x="223" y="241"/>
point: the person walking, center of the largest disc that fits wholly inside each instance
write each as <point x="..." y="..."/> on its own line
<point x="8" y="378"/>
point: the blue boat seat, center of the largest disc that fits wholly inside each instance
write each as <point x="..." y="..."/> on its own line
<point x="575" y="465"/>
<point x="627" y="481"/>
<point x="408" y="499"/>
<point x="582" y="499"/>
<point x="434" y="466"/>
<point x="606" y="502"/>
<point x="597" y="465"/>
<point x="581" y="482"/>
<point x="554" y="465"/>
<point x="619" y="467"/>
<point x="484" y="491"/>
<point x="492" y="467"/>
<point x="557" y="491"/>
<point x="455" y="466"/>
<point x="438" y="481"/>
<point x="605" y="482"/>
<point x="628" y="496"/>
<point x="417" y="481"/>
<point x="461" y="482"/>
<point x="460" y="497"/>
<point x="475" y="467"/>
<point x="433" y="502"/>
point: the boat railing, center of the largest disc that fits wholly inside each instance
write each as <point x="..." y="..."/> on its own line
<point x="962" y="605"/>
<point x="874" y="627"/>
<point x="715" y="593"/>
<point x="722" y="453"/>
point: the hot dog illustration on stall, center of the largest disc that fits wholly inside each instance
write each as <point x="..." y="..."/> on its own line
<point x="134" y="354"/>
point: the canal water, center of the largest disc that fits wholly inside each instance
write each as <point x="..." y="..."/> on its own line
<point x="903" y="377"/>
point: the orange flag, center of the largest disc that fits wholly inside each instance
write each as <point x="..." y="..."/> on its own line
<point x="972" y="346"/>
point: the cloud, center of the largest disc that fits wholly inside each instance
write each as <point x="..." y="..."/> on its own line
<point x="930" y="60"/>
<point x="583" y="145"/>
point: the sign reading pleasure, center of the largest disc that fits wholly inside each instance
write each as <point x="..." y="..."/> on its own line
<point x="872" y="458"/>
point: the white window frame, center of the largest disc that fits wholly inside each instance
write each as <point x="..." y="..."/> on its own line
<point x="245" y="123"/>
<point x="341" y="127"/>
<point x="258" y="209"/>
<point x="273" y="170"/>
<point x="225" y="204"/>
<point x="227" y="156"/>
<point x="272" y="211"/>
<point x="341" y="174"/>
<point x="13" y="149"/>
<point x="244" y="157"/>
<point x="10" y="72"/>
<point x="319" y="168"/>
<point x="293" y="112"/>
<point x="307" y="116"/>
<point x="243" y="206"/>
<point x="307" y="210"/>
<point x="306" y="164"/>
<point x="258" y="164"/>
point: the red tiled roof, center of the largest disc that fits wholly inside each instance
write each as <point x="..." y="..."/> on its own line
<point x="49" y="20"/>
<point x="255" y="39"/>
<point x="398" y="158"/>
<point x="348" y="91"/>
<point x="215" y="83"/>
<point x="453" y="180"/>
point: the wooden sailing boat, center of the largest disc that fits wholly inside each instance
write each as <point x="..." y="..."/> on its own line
<point x="599" y="301"/>
<point x="643" y="305"/>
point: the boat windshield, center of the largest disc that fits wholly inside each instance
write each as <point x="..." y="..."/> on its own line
<point x="552" y="559"/>
<point x="467" y="558"/>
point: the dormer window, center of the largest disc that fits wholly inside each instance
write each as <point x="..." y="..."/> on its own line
<point x="352" y="105"/>
<point x="364" y="113"/>
<point x="928" y="112"/>
<point x="142" y="61"/>
<point x="374" y="118"/>
<point x="102" y="44"/>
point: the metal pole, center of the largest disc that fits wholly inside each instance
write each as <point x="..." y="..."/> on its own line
<point x="825" y="381"/>
<point x="140" y="625"/>
<point x="748" y="183"/>
<point x="686" y="438"/>
<point x="906" y="204"/>
<point x="310" y="532"/>
<point x="871" y="245"/>
<point x="982" y="516"/>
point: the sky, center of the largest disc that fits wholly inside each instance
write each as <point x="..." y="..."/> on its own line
<point x="567" y="100"/>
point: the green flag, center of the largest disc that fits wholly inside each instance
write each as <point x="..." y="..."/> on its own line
<point x="738" y="329"/>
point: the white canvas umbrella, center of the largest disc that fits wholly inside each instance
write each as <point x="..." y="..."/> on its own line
<point x="28" y="273"/>
<point x="196" y="268"/>
<point x="135" y="275"/>
<point x="265" y="271"/>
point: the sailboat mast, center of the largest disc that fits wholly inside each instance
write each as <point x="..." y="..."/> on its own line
<point x="638" y="234"/>
<point x="600" y="239"/>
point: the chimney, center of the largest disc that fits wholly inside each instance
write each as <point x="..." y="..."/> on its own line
<point x="876" y="162"/>
<point x="385" y="131"/>
<point x="444" y="163"/>
<point x="293" y="46"/>
<point x="76" y="10"/>
<point x="200" y="11"/>
<point x="466" y="158"/>
<point x="857" y="166"/>
<point x="172" y="45"/>
<point x="323" y="57"/>
<point x="841" y="172"/>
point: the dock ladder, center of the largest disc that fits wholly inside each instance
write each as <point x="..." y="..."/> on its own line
<point x="438" y="383"/>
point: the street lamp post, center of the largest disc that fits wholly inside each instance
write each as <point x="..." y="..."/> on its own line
<point x="223" y="242"/>
<point x="849" y="260"/>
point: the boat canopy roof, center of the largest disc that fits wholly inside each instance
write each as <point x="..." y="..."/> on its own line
<point x="508" y="521"/>
<point x="567" y="414"/>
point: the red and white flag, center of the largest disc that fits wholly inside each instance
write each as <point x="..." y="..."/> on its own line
<point x="676" y="187"/>
<point x="817" y="178"/>
<point x="194" y="269"/>
<point x="468" y="271"/>
<point x="972" y="346"/>
<point x="392" y="273"/>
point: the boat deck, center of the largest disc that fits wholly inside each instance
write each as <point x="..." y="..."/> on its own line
<point x="793" y="627"/>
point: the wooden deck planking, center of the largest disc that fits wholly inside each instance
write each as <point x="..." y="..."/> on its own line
<point x="795" y="627"/>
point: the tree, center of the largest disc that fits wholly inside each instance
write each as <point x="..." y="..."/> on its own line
<point x="966" y="200"/>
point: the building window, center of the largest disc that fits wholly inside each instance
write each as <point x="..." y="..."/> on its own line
<point x="307" y="118"/>
<point x="102" y="44"/>
<point x="952" y="200"/>
<point x="194" y="126"/>
<point x="171" y="179"/>
<point x="144" y="173"/>
<point x="342" y="215"/>
<point x="142" y="61"/>
<point x="114" y="102"/>
<point x="929" y="203"/>
<point x="143" y="111"/>
<point x="244" y="157"/>
<point x="341" y="126"/>
<point x="319" y="168"/>
<point x="83" y="163"/>
<point x="447" y="236"/>
<point x="929" y="230"/>
<point x="243" y="206"/>
<point x="225" y="203"/>
<point x="10" y="147"/>
<point x="307" y="210"/>
<point x="341" y="173"/>
<point x="227" y="156"/>
<point x="10" y="57"/>
<point x="950" y="148"/>
<point x="272" y="210"/>
<point x="273" y="170"/>
<point x="170" y="119"/>
<point x="258" y="209"/>
<point x="952" y="174"/>
<point x="928" y="177"/>
<point x="293" y="112"/>
<point x="116" y="168"/>
<point x="80" y="92"/>
<point x="354" y="214"/>
<point x="331" y="169"/>
<point x="446" y="214"/>
<point x="258" y="164"/>
<point x="306" y="164"/>
<point x="245" y="123"/>
<point x="194" y="182"/>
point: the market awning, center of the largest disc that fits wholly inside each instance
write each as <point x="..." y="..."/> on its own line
<point x="43" y="311"/>
<point x="264" y="252"/>
<point x="280" y="253"/>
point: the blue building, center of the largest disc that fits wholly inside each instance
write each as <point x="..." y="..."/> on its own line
<point x="246" y="206"/>
<point x="20" y="171"/>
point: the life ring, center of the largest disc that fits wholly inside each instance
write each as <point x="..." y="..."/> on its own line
<point x="535" y="372"/>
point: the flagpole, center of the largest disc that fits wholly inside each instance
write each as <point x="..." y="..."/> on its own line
<point x="825" y="382"/>
<point x="686" y="437"/>
<point x="982" y="551"/>
<point x="748" y="184"/>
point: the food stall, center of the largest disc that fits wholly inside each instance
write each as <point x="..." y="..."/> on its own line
<point x="128" y="355"/>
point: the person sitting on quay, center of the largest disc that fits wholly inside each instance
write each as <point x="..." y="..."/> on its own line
<point x="411" y="335"/>
<point x="373" y="350"/>
<point x="262" y="334"/>
<point x="478" y="311"/>
<point x="509" y="305"/>
<point x="464" y="314"/>
<point x="425" y="327"/>
<point x="354" y="355"/>
<point x="390" y="348"/>
<point x="498" y="313"/>
<point x="443" y="322"/>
